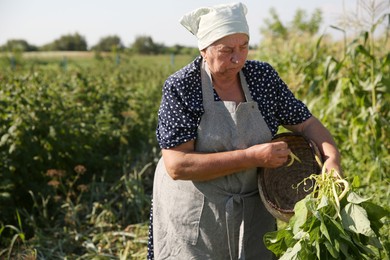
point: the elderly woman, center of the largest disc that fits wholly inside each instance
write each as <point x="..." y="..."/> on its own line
<point x="216" y="122"/>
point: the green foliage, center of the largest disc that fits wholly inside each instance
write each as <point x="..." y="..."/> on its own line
<point x="146" y="45"/>
<point x="112" y="43"/>
<point x="70" y="42"/>
<point x="182" y="50"/>
<point x="109" y="43"/>
<point x="61" y="115"/>
<point x="72" y="141"/>
<point x="83" y="221"/>
<point x="311" y="26"/>
<point x="333" y="222"/>
<point x="274" y="26"/>
<point x="18" y="236"/>
<point x="300" y="25"/>
<point x="348" y="91"/>
<point x="17" y="46"/>
<point x="346" y="85"/>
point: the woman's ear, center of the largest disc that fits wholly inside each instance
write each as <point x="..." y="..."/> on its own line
<point x="204" y="54"/>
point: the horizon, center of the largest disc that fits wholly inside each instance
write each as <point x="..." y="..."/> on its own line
<point x="42" y="22"/>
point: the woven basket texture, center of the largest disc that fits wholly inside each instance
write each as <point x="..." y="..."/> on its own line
<point x="278" y="187"/>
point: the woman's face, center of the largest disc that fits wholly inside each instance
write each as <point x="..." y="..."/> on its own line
<point x="227" y="56"/>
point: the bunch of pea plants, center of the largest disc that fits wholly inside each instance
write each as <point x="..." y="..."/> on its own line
<point x="332" y="222"/>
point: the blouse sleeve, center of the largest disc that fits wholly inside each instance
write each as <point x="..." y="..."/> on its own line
<point x="290" y="110"/>
<point x="179" y="113"/>
<point x="277" y="103"/>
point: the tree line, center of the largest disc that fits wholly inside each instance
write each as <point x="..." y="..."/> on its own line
<point x="111" y="43"/>
<point x="303" y="23"/>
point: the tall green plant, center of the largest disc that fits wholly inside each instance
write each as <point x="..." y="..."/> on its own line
<point x="347" y="85"/>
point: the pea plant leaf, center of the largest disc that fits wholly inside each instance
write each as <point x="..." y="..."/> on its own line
<point x="299" y="219"/>
<point x="324" y="231"/>
<point x="278" y="241"/>
<point x="355" y="219"/>
<point x="292" y="253"/>
<point x="332" y="250"/>
<point x="376" y="213"/>
<point x="353" y="197"/>
<point x="323" y="202"/>
<point x="316" y="232"/>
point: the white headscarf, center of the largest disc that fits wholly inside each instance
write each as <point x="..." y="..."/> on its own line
<point x="210" y="24"/>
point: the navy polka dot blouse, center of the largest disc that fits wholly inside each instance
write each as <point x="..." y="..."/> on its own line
<point x="181" y="105"/>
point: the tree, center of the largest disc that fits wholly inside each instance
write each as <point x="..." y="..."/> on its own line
<point x="145" y="45"/>
<point x="178" y="49"/>
<point x="109" y="43"/>
<point x="69" y="42"/>
<point x="18" y="45"/>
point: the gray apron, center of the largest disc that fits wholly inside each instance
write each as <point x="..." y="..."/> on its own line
<point x="223" y="218"/>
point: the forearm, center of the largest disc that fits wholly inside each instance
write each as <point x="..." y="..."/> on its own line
<point x="204" y="166"/>
<point x="183" y="163"/>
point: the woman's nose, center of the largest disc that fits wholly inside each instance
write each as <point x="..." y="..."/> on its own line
<point x="235" y="58"/>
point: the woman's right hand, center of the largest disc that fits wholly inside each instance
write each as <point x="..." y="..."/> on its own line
<point x="269" y="155"/>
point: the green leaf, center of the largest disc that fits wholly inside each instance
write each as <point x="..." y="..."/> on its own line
<point x="324" y="231"/>
<point x="336" y="245"/>
<point x="356" y="182"/>
<point x="314" y="234"/>
<point x="4" y="139"/>
<point x="344" y="248"/>
<point x="307" y="250"/>
<point x="279" y="241"/>
<point x="363" y="248"/>
<point x="355" y="198"/>
<point x="375" y="214"/>
<point x="337" y="226"/>
<point x="341" y="238"/>
<point x="300" y="235"/>
<point x="292" y="253"/>
<point x="318" y="248"/>
<point x="331" y="249"/>
<point x="323" y="202"/>
<point x="374" y="241"/>
<point x="355" y="219"/>
<point x="361" y="49"/>
<point x="300" y="215"/>
<point x="374" y="211"/>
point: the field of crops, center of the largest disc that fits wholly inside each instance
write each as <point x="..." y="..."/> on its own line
<point x="78" y="148"/>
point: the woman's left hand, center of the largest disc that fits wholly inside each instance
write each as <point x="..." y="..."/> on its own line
<point x="333" y="164"/>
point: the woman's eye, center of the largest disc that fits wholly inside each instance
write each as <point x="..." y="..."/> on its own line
<point x="226" y="51"/>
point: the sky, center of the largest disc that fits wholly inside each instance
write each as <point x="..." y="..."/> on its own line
<point x="42" y="21"/>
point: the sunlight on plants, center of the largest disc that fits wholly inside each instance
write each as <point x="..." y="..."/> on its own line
<point x="77" y="135"/>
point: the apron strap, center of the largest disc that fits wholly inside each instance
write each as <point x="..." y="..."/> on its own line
<point x="236" y="203"/>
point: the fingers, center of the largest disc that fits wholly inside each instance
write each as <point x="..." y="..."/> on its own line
<point x="280" y="144"/>
<point x="270" y="155"/>
<point x="281" y="149"/>
<point x="334" y="167"/>
<point x="280" y="154"/>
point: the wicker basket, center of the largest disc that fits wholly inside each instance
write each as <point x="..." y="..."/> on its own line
<point x="278" y="186"/>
